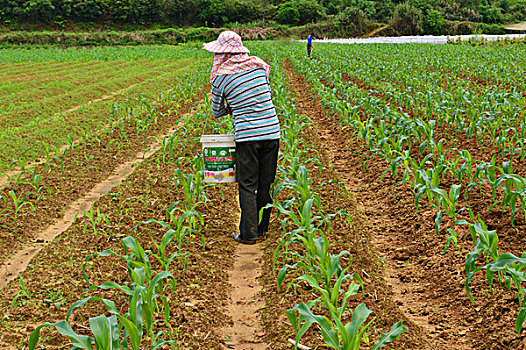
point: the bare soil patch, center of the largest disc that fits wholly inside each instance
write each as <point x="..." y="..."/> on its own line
<point x="245" y="300"/>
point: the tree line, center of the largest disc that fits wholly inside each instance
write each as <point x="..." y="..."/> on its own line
<point x="407" y="17"/>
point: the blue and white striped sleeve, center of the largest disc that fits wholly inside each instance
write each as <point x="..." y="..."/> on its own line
<point x="218" y="101"/>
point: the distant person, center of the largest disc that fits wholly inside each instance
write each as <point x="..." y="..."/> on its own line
<point x="240" y="87"/>
<point x="309" y="44"/>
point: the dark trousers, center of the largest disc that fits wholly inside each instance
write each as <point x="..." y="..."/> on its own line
<point x="256" y="163"/>
<point x="309" y="50"/>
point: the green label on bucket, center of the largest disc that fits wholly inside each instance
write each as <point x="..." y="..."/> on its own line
<point x="219" y="158"/>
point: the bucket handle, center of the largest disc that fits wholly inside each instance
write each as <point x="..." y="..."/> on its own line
<point x="208" y="117"/>
<point x="206" y="122"/>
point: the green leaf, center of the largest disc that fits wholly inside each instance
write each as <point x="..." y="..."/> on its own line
<point x="397" y="329"/>
<point x="147" y="317"/>
<point x="329" y="335"/>
<point x="110" y="285"/>
<point x="293" y="319"/>
<point x="160" y="344"/>
<point x="438" y="220"/>
<point x="281" y="275"/>
<point x="101" y="328"/>
<point x="133" y="332"/>
<point x="311" y="281"/>
<point x="166" y="307"/>
<point x="138" y="276"/>
<point x="80" y="341"/>
<point x="110" y="305"/>
<point x="359" y="316"/>
<point x="291" y="315"/>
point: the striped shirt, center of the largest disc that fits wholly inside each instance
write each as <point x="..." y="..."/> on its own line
<point x="248" y="96"/>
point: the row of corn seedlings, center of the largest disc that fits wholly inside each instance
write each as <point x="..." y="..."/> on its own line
<point x="490" y="116"/>
<point x="28" y="188"/>
<point x="414" y="83"/>
<point x="146" y="290"/>
<point x="51" y="102"/>
<point x="60" y="115"/>
<point x="393" y="135"/>
<point x="397" y="137"/>
<point x="305" y="240"/>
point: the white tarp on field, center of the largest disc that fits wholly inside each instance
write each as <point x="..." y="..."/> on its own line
<point x="424" y="39"/>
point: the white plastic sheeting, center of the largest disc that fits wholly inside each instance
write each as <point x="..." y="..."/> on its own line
<point x="425" y="39"/>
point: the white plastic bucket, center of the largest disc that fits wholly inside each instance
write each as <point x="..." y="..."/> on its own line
<point x="219" y="158"/>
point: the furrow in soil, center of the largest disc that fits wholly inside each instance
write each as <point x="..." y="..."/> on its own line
<point x="20" y="260"/>
<point x="245" y="299"/>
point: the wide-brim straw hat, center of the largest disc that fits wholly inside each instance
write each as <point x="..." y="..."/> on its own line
<point x="227" y="42"/>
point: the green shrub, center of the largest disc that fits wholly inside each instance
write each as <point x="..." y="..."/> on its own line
<point x="434" y="22"/>
<point x="354" y="22"/>
<point x="463" y="28"/>
<point x="288" y="13"/>
<point x="407" y="20"/>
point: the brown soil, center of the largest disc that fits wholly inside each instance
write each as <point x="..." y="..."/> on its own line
<point x="394" y="249"/>
<point x="198" y="307"/>
<point x="19" y="261"/>
<point x="206" y="311"/>
<point x="245" y="300"/>
<point x="351" y="236"/>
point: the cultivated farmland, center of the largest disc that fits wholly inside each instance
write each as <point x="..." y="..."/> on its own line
<point x="400" y="201"/>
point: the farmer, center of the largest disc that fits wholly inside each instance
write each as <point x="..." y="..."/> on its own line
<point x="309" y="44"/>
<point x="240" y="87"/>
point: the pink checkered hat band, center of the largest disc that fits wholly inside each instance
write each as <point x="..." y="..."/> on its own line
<point x="227" y="42"/>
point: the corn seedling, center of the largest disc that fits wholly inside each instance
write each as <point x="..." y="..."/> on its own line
<point x="48" y="151"/>
<point x="449" y="201"/>
<point x="335" y="334"/>
<point x="36" y="185"/>
<point x="22" y="293"/>
<point x="114" y="332"/>
<point x="18" y="202"/>
<point x="139" y="268"/>
<point x="94" y="219"/>
<point x="85" y="160"/>
<point x="176" y="230"/>
<point x="143" y="290"/>
<point x="512" y="270"/>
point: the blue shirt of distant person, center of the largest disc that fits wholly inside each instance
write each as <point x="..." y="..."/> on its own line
<point x="309" y="44"/>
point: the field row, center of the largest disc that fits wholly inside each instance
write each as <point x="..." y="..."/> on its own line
<point x="55" y="111"/>
<point x="38" y="196"/>
<point x="172" y="229"/>
<point x="457" y="154"/>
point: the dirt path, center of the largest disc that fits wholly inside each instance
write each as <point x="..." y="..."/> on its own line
<point x="246" y="332"/>
<point x="20" y="260"/>
<point x="407" y="285"/>
<point x="104" y="97"/>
